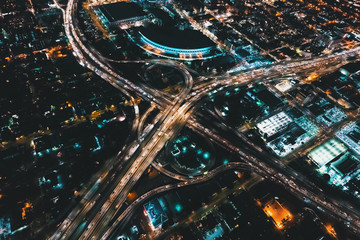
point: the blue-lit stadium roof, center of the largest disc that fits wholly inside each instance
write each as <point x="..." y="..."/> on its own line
<point x="172" y="37"/>
<point x="168" y="49"/>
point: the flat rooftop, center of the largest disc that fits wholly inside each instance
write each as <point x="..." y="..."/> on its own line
<point x="274" y="124"/>
<point x="350" y="135"/>
<point x="327" y="152"/>
<point x="121" y="11"/>
<point x="155" y="213"/>
<point x="277" y="212"/>
<point x="346" y="164"/>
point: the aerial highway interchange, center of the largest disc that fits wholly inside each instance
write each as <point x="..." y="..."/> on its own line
<point x="97" y="215"/>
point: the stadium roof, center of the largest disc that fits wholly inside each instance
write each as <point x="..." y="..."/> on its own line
<point x="172" y="37"/>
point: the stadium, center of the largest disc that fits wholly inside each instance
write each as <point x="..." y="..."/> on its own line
<point x="163" y="39"/>
<point x="175" y="44"/>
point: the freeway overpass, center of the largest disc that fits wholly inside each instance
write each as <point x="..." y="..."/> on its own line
<point x="174" y="116"/>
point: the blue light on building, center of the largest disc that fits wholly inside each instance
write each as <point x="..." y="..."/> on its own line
<point x="206" y="155"/>
<point x="178" y="207"/>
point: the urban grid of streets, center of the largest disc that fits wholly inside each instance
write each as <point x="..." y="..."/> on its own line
<point x="93" y="217"/>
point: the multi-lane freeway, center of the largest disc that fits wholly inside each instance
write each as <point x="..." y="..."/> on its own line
<point x="190" y="181"/>
<point x="104" y="198"/>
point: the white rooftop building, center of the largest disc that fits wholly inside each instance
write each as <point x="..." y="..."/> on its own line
<point x="274" y="124"/>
